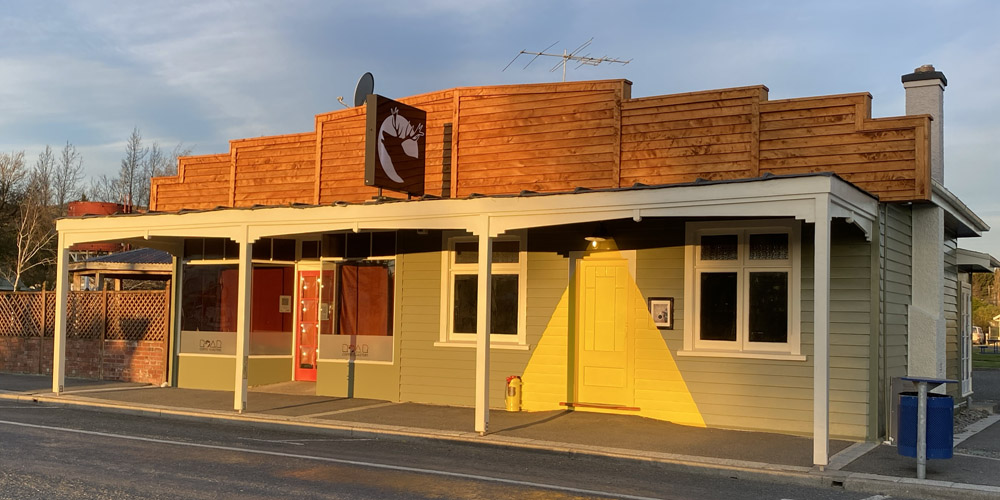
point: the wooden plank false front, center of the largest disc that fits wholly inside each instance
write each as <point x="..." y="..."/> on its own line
<point x="274" y="170"/>
<point x="202" y="182"/>
<point x="823" y="135"/>
<point x="562" y="136"/>
<point x="536" y="142"/>
<point x="676" y="139"/>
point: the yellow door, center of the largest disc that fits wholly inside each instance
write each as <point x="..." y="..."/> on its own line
<point x="604" y="377"/>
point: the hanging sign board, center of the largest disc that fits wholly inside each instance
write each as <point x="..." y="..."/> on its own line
<point x="395" y="145"/>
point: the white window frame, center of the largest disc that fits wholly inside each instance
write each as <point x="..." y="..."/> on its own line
<point x="965" y="338"/>
<point x="742" y="266"/>
<point x="449" y="269"/>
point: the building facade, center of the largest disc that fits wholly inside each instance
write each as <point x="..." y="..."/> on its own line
<point x="711" y="258"/>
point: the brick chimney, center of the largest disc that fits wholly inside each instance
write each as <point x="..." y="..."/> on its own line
<point x="925" y="96"/>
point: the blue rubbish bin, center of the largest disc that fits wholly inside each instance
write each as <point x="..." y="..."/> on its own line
<point x="940" y="425"/>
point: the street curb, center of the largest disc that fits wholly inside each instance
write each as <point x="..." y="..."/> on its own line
<point x="734" y="469"/>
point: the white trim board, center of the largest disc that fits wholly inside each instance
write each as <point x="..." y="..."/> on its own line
<point x="769" y="197"/>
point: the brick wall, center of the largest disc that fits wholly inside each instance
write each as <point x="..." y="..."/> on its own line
<point x="123" y="360"/>
<point x="20" y="354"/>
<point x="135" y="361"/>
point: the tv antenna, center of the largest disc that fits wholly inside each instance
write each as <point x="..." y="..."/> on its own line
<point x="566" y="57"/>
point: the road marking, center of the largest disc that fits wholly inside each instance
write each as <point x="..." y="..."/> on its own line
<point x="976" y="456"/>
<point x="401" y="468"/>
<point x="875" y="497"/>
<point x="302" y="442"/>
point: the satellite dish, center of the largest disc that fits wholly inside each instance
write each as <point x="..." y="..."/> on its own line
<point x="366" y="85"/>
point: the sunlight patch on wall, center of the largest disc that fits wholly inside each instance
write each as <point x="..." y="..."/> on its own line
<point x="658" y="387"/>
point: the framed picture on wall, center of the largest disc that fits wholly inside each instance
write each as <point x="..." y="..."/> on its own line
<point x="662" y="311"/>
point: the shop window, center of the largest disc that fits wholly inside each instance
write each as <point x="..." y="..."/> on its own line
<point x="279" y="249"/>
<point x="209" y="298"/>
<point x="310" y="250"/>
<point x="507" y="285"/>
<point x="365" y="296"/>
<point x="359" y="245"/>
<point x="271" y="311"/>
<point x="742" y="288"/>
<point x="210" y="249"/>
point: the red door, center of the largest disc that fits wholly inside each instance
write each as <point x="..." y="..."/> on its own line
<point x="306" y="337"/>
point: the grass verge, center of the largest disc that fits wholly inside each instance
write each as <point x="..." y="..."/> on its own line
<point x="987" y="360"/>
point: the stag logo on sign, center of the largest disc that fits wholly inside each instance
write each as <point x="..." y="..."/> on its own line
<point x="395" y="146"/>
<point x="397" y="136"/>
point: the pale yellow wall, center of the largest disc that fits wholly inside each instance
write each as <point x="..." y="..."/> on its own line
<point x="362" y="380"/>
<point x="446" y="375"/>
<point x="263" y="371"/>
<point x="546" y="374"/>
<point x="759" y="394"/>
<point x="717" y="392"/>
<point x="896" y="256"/>
<point x="898" y="291"/>
<point x="215" y="373"/>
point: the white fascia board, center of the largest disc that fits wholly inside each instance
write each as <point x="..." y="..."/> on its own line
<point x="954" y="207"/>
<point x="786" y="197"/>
<point x="973" y="261"/>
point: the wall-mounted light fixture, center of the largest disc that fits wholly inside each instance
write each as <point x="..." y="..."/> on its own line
<point x="601" y="234"/>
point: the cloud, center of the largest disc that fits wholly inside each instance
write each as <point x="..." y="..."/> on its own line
<point x="207" y="72"/>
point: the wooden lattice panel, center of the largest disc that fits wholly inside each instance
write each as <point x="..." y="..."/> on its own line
<point x="49" y="328"/>
<point x="137" y="316"/>
<point x="84" y="315"/>
<point x="20" y="314"/>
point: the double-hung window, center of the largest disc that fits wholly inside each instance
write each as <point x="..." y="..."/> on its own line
<point x="460" y="286"/>
<point x="742" y="289"/>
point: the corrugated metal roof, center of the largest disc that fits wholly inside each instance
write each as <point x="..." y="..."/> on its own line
<point x="137" y="256"/>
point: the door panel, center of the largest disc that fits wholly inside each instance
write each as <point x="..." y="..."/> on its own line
<point x="604" y="376"/>
<point x="306" y="340"/>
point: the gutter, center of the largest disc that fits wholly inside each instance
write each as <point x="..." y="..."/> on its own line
<point x="963" y="215"/>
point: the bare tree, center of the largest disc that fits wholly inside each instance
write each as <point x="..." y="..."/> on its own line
<point x="68" y="175"/>
<point x="42" y="176"/>
<point x="179" y="151"/>
<point x="156" y="161"/>
<point x="105" y="188"/>
<point x="34" y="231"/>
<point x="12" y="177"/>
<point x="130" y="175"/>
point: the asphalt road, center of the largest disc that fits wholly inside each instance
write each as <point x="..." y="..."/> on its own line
<point x="986" y="385"/>
<point x="55" y="452"/>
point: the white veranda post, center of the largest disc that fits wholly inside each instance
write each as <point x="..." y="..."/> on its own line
<point x="483" y="312"/>
<point x="821" y="334"/>
<point x="243" y="325"/>
<point x="59" y="337"/>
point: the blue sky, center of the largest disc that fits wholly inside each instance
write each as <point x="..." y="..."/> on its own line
<point x="205" y="72"/>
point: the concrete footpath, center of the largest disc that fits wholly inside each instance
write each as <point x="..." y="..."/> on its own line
<point x="973" y="473"/>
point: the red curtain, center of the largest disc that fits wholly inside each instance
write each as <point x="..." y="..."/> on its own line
<point x="229" y="281"/>
<point x="365" y="300"/>
<point x="269" y="284"/>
